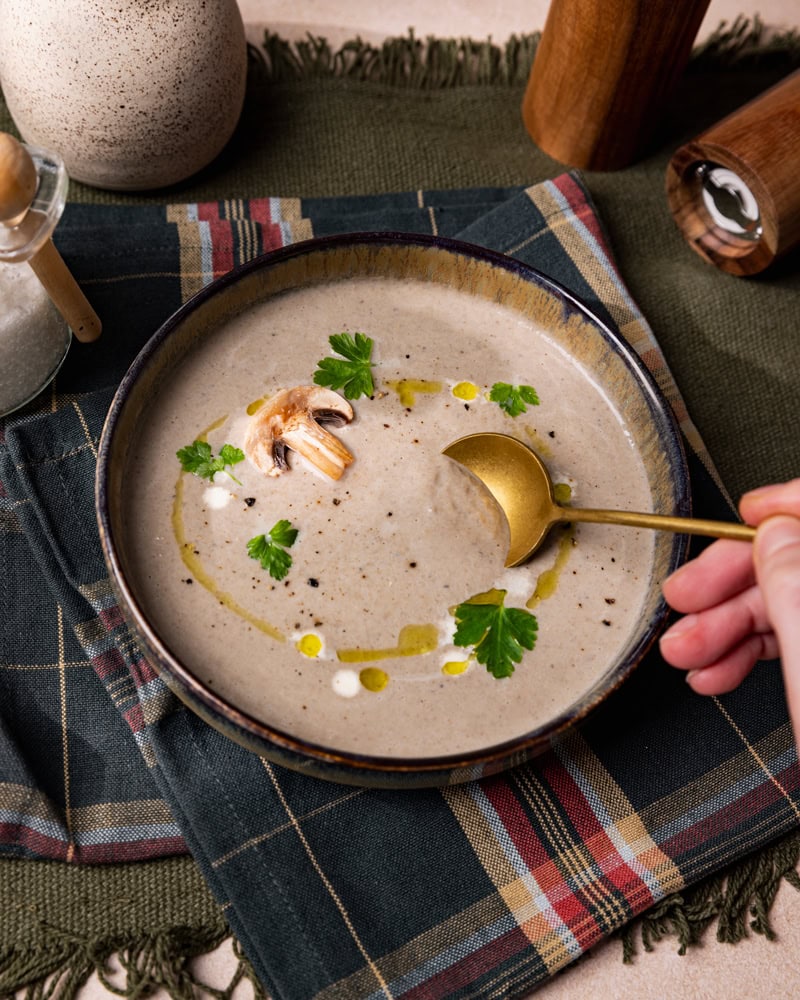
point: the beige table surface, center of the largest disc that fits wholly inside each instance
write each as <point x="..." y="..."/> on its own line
<point x="753" y="968"/>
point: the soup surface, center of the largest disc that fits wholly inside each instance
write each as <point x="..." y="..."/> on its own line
<point x="365" y="644"/>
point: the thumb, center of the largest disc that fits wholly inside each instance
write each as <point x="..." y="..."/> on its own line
<point x="777" y="561"/>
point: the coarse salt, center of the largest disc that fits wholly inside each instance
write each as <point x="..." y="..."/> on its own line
<point x="33" y="336"/>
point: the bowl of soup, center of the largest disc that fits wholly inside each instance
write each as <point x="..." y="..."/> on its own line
<point x="310" y="573"/>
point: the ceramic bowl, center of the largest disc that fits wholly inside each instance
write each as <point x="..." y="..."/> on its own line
<point x="254" y="698"/>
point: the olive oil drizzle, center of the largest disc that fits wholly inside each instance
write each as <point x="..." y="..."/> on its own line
<point x="192" y="561"/>
<point x="407" y="389"/>
<point x="414" y="640"/>
<point x="547" y="581"/>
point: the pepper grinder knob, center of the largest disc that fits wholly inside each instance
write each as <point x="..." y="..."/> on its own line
<point x="734" y="190"/>
<point x="26" y="227"/>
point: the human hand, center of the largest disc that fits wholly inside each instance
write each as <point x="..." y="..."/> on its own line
<point x="741" y="601"/>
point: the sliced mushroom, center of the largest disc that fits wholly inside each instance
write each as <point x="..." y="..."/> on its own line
<point x="292" y="420"/>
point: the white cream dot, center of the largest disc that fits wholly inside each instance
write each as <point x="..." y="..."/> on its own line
<point x="216" y="497"/>
<point x="346" y="683"/>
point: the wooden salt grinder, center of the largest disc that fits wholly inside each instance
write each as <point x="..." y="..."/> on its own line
<point x="734" y="191"/>
<point x="602" y="71"/>
<point x="18" y="185"/>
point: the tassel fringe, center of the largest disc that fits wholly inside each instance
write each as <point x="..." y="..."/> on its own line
<point x="151" y="963"/>
<point x="738" y="901"/>
<point x="436" y="63"/>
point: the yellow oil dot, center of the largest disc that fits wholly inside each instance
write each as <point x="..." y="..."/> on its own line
<point x="454" y="667"/>
<point x="255" y="406"/>
<point x="466" y="391"/>
<point x="373" y="678"/>
<point x="309" y="645"/>
<point x="562" y="492"/>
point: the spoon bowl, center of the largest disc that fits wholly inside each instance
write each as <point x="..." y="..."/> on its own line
<point x="519" y="482"/>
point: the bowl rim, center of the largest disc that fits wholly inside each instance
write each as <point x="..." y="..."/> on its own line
<point x="263" y="737"/>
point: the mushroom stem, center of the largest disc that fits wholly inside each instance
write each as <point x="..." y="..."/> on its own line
<point x="305" y="436"/>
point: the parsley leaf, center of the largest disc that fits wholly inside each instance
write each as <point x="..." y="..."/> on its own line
<point x="497" y="633"/>
<point x="198" y="459"/>
<point x="270" y="550"/>
<point x="353" y="370"/>
<point x="513" y="398"/>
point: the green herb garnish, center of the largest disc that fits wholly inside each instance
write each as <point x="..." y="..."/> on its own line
<point x="351" y="372"/>
<point x="270" y="550"/>
<point x="198" y="459"/>
<point x="514" y="399"/>
<point x="497" y="634"/>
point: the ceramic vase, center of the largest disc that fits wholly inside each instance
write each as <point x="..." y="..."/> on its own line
<point x="133" y="94"/>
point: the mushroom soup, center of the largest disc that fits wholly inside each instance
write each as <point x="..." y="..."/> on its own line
<point x="366" y="608"/>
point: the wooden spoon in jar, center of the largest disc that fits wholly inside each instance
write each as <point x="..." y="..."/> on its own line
<point x="520" y="483"/>
<point x="18" y="184"/>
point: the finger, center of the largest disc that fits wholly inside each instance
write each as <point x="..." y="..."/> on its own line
<point x="699" y="640"/>
<point x="720" y="572"/>
<point x="728" y="673"/>
<point x="779" y="498"/>
<point x="777" y="558"/>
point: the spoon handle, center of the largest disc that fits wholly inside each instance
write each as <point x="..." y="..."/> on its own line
<point x="661" y="522"/>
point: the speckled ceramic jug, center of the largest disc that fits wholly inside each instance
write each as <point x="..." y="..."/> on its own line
<point x="133" y="94"/>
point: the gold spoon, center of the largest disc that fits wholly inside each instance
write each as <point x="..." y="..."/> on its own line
<point x="519" y="482"/>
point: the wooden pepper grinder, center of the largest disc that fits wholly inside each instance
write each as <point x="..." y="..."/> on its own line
<point x="734" y="191"/>
<point x="31" y="202"/>
<point x="602" y="71"/>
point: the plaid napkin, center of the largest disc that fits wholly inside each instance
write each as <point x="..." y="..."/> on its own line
<point x="483" y="889"/>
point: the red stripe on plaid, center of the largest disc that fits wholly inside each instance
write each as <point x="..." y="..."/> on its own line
<point x="259" y="210"/>
<point x="741" y="812"/>
<point x="207" y="211"/>
<point x="143" y="672"/>
<point x="108" y="663"/>
<point x="272" y="238"/>
<point x="58" y="849"/>
<point x="222" y="259"/>
<point x="103" y="854"/>
<point x="577" y="202"/>
<point x="471" y="967"/>
<point x="53" y="848"/>
<point x="569" y="908"/>
<point x="134" y="716"/>
<point x="111" y="617"/>
<point x="516" y="823"/>
<point x="565" y="790"/>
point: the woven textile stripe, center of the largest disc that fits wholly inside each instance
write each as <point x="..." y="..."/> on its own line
<point x="217" y="236"/>
<point x="578" y="230"/>
<point x="570" y="861"/>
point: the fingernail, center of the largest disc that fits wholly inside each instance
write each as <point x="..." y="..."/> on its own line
<point x="690" y="674"/>
<point x="681" y="627"/>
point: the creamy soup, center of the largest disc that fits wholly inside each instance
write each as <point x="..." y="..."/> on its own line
<point x="354" y="648"/>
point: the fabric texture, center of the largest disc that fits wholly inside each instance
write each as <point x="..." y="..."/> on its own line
<point x="485" y="888"/>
